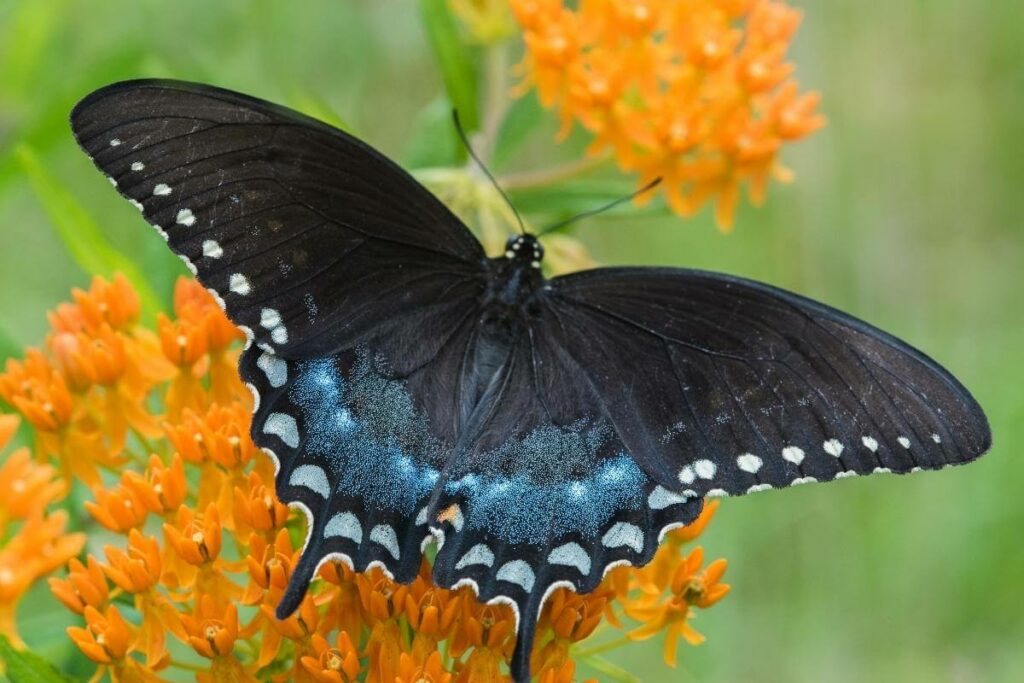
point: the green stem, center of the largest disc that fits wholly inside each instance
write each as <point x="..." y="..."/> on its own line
<point x="604" y="647"/>
<point x="551" y="176"/>
<point x="496" y="98"/>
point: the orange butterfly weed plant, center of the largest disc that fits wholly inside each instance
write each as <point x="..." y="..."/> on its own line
<point x="697" y="93"/>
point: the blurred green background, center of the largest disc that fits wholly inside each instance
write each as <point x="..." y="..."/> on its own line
<point x="906" y="212"/>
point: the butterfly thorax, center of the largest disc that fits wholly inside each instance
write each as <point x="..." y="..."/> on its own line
<point x="516" y="282"/>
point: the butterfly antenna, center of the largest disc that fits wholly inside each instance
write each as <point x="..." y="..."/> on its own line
<point x="483" y="167"/>
<point x="601" y="209"/>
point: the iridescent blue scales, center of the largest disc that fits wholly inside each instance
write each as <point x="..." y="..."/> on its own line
<point x="542" y="431"/>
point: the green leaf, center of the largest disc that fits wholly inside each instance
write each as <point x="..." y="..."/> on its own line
<point x="24" y="666"/>
<point x="455" y="58"/>
<point x="434" y="142"/>
<point x="80" y="234"/>
<point x="520" y="120"/>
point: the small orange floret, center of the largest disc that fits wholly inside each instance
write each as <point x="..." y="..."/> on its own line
<point x="85" y="585"/>
<point x="211" y="632"/>
<point x="429" y="670"/>
<point x="106" y="636"/>
<point x="138" y="569"/>
<point x="114" y="303"/>
<point x="338" y="664"/>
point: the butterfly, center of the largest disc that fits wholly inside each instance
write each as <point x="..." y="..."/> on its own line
<point x="543" y="431"/>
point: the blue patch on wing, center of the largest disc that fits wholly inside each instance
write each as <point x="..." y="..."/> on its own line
<point x="359" y="427"/>
<point x="517" y="509"/>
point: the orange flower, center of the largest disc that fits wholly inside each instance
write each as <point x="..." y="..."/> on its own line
<point x="195" y="563"/>
<point x="270" y="567"/>
<point x="490" y="631"/>
<point x="120" y="509"/>
<point x="85" y="585"/>
<point x="431" y="612"/>
<point x="428" y="670"/>
<point x="341" y="597"/>
<point x="27" y="485"/>
<point x="695" y="93"/>
<point x="162" y="488"/>
<point x="690" y="587"/>
<point x="339" y="664"/>
<point x="138" y="571"/>
<point x="112" y="303"/>
<point x="105" y="638"/>
<point x="218" y="440"/>
<point x="38" y="391"/>
<point x="383" y="602"/>
<point x="569" y="618"/>
<point x="212" y="632"/>
<point x="38" y="548"/>
<point x="562" y="673"/>
<point x="257" y="509"/>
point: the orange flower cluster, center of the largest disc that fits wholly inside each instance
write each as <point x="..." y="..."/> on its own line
<point x="695" y="92"/>
<point x="156" y="426"/>
<point x="33" y="541"/>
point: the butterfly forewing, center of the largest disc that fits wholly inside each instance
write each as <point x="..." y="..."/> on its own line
<point x="747" y="387"/>
<point x="312" y="239"/>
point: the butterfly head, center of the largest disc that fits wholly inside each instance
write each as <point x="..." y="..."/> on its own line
<point x="526" y="249"/>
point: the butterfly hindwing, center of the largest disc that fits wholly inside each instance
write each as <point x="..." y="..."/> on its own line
<point x="313" y="240"/>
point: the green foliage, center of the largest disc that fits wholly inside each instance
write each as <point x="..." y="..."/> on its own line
<point x="455" y="60"/>
<point x="80" y="234"/>
<point x="25" y="666"/>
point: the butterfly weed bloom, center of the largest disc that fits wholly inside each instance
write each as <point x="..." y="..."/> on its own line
<point x="199" y="548"/>
<point x="697" y="93"/>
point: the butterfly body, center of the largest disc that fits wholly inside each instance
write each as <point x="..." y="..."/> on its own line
<point x="541" y="430"/>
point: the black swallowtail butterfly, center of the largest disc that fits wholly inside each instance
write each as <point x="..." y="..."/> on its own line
<point x="544" y="430"/>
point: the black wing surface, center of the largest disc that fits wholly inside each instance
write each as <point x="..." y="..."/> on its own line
<point x="312" y="240"/>
<point x="737" y="386"/>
